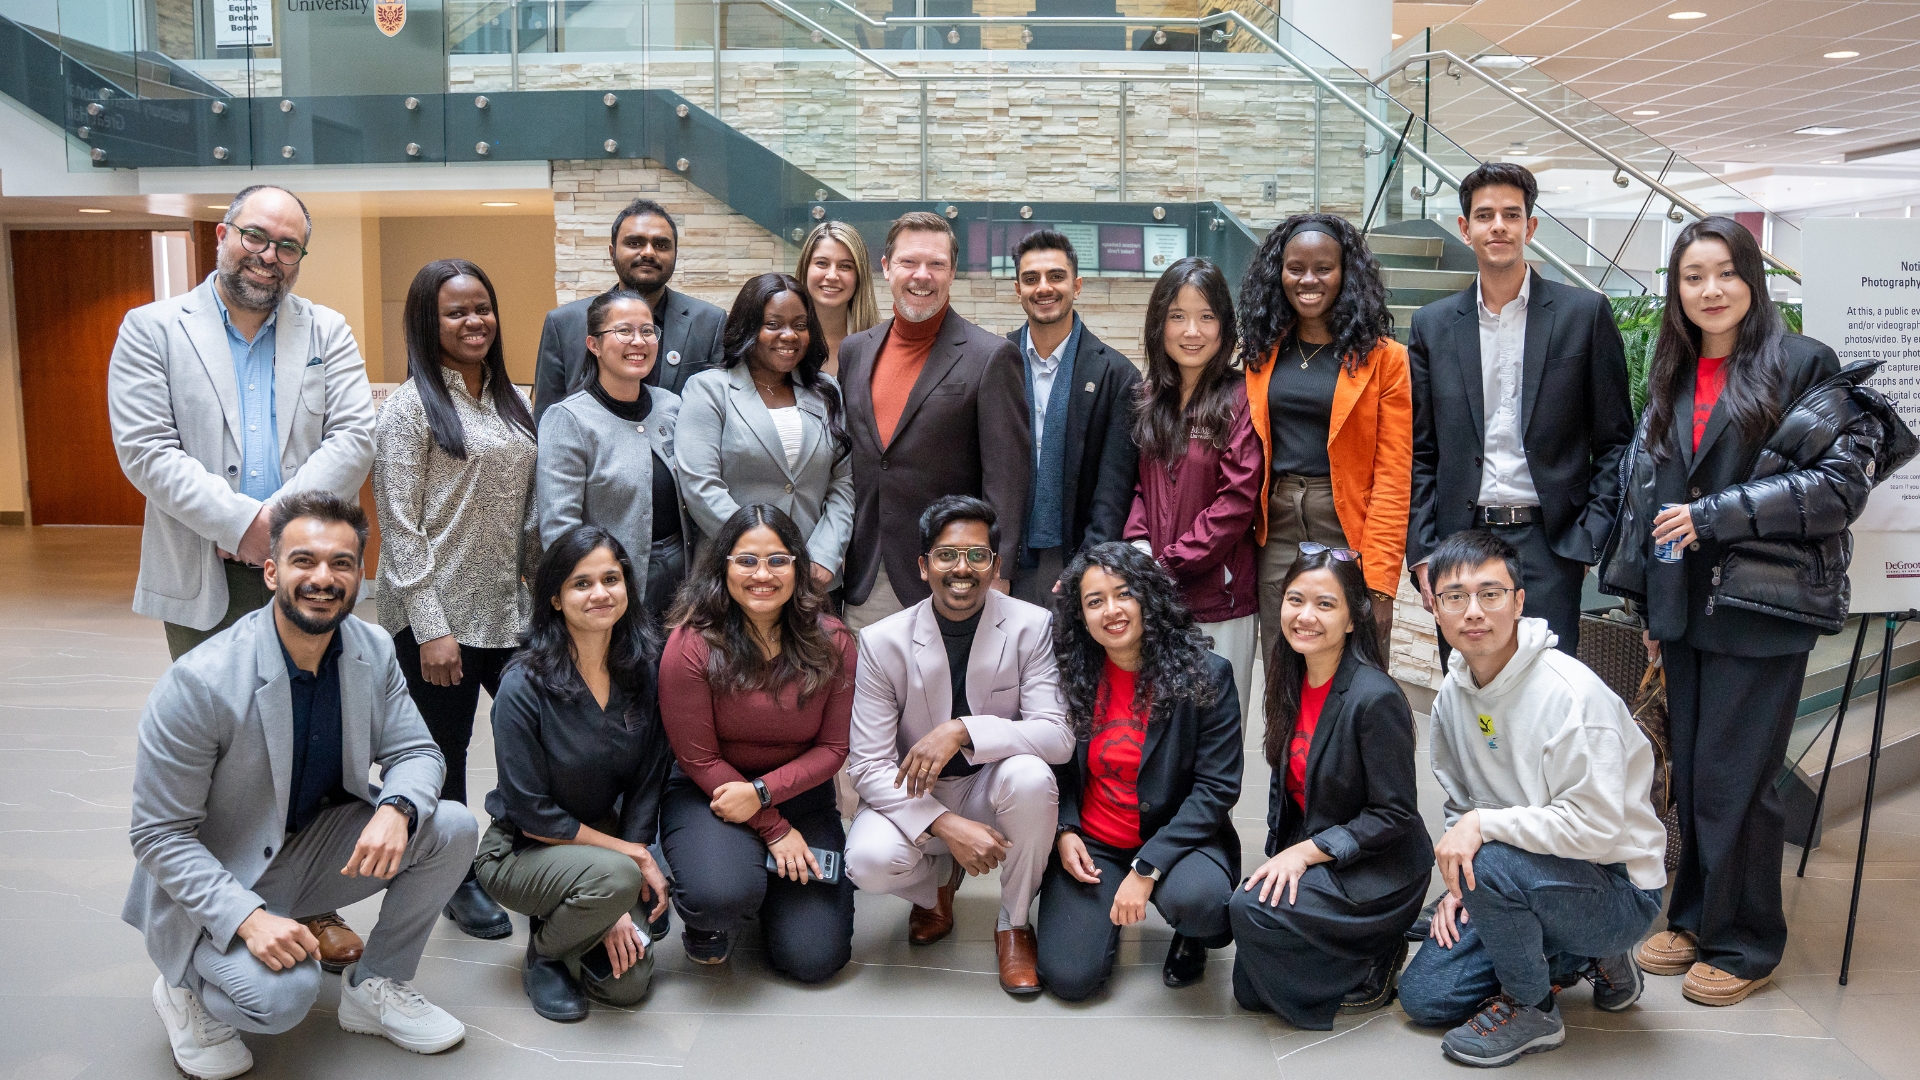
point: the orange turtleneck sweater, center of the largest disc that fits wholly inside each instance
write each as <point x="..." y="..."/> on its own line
<point x="902" y="356"/>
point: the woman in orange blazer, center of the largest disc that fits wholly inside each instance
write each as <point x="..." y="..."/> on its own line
<point x="1329" y="397"/>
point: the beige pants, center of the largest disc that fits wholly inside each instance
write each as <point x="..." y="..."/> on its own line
<point x="1234" y="640"/>
<point x="880" y="603"/>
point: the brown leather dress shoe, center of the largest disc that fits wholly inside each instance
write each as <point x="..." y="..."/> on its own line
<point x="339" y="945"/>
<point x="928" y="925"/>
<point x="1019" y="958"/>
<point x="1669" y="952"/>
<point x="1708" y="985"/>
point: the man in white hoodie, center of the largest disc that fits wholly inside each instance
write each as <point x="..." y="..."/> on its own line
<point x="1553" y="857"/>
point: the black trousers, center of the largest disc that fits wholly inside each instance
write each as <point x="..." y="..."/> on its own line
<point x="720" y="878"/>
<point x="1552" y="582"/>
<point x="1076" y="935"/>
<point x="1729" y="720"/>
<point x="448" y="710"/>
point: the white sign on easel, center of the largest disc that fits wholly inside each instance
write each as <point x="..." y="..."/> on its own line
<point x="1863" y="299"/>
<point x="241" y="23"/>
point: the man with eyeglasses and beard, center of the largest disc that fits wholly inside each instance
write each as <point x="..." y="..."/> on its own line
<point x="645" y="250"/>
<point x="252" y="807"/>
<point x="957" y="720"/>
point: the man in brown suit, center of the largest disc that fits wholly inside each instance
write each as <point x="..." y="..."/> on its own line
<point x="935" y="406"/>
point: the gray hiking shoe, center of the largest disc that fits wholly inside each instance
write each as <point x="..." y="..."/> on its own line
<point x="1617" y="982"/>
<point x="1502" y="1031"/>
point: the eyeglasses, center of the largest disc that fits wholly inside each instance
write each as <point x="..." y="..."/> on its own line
<point x="946" y="559"/>
<point x="1308" y="547"/>
<point x="1455" y="602"/>
<point x="257" y="243"/>
<point x="749" y="563"/>
<point x="626" y="335"/>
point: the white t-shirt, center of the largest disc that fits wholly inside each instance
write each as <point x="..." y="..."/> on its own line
<point x="788" y="422"/>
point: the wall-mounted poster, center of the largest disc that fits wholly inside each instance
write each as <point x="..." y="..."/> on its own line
<point x="1162" y="246"/>
<point x="241" y="23"/>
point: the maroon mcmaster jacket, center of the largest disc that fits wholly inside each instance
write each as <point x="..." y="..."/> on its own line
<point x="1197" y="514"/>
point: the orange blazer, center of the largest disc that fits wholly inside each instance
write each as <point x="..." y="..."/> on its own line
<point x="1370" y="449"/>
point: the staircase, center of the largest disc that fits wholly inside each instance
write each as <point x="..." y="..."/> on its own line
<point x="1411" y="267"/>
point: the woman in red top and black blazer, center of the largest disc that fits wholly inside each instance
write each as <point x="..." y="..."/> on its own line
<point x="1146" y="803"/>
<point x="1317" y="928"/>
<point x="756" y="692"/>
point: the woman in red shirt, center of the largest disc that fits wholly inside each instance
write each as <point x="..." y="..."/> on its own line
<point x="1146" y="802"/>
<point x="1318" y="926"/>
<point x="756" y="690"/>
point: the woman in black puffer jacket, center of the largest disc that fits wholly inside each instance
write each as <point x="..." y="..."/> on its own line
<point x="1764" y="452"/>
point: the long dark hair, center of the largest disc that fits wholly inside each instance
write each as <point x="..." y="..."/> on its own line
<point x="1287" y="669"/>
<point x="742" y="334"/>
<point x="810" y="651"/>
<point x="1160" y="427"/>
<point x="1173" y="650"/>
<point x="1359" y="317"/>
<point x="422" y="319"/>
<point x="1753" y="371"/>
<point x="633" y="656"/>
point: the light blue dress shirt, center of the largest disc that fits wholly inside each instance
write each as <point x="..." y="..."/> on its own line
<point x="259" y="418"/>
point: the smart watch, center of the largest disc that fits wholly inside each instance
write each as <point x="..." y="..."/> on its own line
<point x="1146" y="869"/>
<point x="766" y="797"/>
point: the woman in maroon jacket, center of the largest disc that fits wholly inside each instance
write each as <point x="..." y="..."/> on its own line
<point x="756" y="689"/>
<point x="1200" y="460"/>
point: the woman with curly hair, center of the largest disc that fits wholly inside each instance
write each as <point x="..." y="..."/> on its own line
<point x="1332" y="404"/>
<point x="756" y="691"/>
<point x="1199" y="482"/>
<point x="1146" y="802"/>
<point x="1348" y="858"/>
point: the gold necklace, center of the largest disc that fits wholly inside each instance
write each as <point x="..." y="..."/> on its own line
<point x="1307" y="358"/>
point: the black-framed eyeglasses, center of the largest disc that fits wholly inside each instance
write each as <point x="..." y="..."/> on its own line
<point x="256" y="242"/>
<point x="750" y="562"/>
<point x="1308" y="547"/>
<point x="627" y="335"/>
<point x="1454" y="602"/>
<point x="946" y="559"/>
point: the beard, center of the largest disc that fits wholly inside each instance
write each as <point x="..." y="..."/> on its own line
<point x="644" y="279"/>
<point x="307" y="625"/>
<point x="244" y="292"/>
<point x="917" y="309"/>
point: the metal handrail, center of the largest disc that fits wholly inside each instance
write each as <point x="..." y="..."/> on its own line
<point x="1619" y="163"/>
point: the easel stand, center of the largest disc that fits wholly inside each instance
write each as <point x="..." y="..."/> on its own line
<point x="1893" y="621"/>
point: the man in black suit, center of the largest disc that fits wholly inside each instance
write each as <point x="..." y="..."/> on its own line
<point x="1081" y="396"/>
<point x="935" y="406"/>
<point x="1520" y="409"/>
<point x="646" y="244"/>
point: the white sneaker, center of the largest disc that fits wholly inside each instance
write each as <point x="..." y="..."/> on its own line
<point x="383" y="1006"/>
<point x="203" y="1048"/>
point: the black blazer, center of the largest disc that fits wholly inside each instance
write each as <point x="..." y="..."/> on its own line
<point x="964" y="431"/>
<point x="1189" y="780"/>
<point x="689" y="341"/>
<point x="1101" y="461"/>
<point x="1576" y="417"/>
<point x="1361" y="803"/>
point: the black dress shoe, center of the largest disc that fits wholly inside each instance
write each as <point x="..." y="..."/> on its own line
<point x="551" y="989"/>
<point x="1383" y="982"/>
<point x="1422" y="927"/>
<point x="1186" y="962"/>
<point x="476" y="913"/>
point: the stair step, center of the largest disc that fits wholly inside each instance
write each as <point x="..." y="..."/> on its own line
<point x="1392" y="244"/>
<point x="1406" y="262"/>
<point x="1442" y="280"/>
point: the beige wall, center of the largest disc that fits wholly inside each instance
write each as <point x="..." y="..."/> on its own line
<point x="334" y="274"/>
<point x="516" y="252"/>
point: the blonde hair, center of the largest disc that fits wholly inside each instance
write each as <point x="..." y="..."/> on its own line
<point x="862" y="312"/>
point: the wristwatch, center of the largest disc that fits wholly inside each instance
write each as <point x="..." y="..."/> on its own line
<point x="1146" y="869"/>
<point x="766" y="797"/>
<point x="406" y="807"/>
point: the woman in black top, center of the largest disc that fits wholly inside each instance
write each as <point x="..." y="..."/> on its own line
<point x="1146" y="803"/>
<point x="582" y="764"/>
<point x="1318" y="927"/>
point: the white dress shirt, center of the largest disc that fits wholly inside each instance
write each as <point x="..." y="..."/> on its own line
<point x="1504" y="479"/>
<point x="1044" y="369"/>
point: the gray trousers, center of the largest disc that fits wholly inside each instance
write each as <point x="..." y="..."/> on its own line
<point x="1035" y="584"/>
<point x="578" y="892"/>
<point x="1017" y="795"/>
<point x="305" y="880"/>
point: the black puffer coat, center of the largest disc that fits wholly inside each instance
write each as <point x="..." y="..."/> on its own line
<point x="1784" y="530"/>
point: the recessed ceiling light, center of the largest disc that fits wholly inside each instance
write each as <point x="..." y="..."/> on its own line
<point x="1505" y="61"/>
<point x="1818" y="129"/>
<point x="499" y="204"/>
<point x="1397" y="37"/>
<point x="216" y="206"/>
<point x="94" y="210"/>
<point x="1842" y="54"/>
<point x="1564" y="187"/>
<point x="1646" y="112"/>
<point x="1830" y="161"/>
<point x="1684" y="15"/>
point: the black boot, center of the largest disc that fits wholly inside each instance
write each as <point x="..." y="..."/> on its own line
<point x="550" y="987"/>
<point x="1383" y="982"/>
<point x="1423" y="925"/>
<point x="1186" y="962"/>
<point x="476" y="913"/>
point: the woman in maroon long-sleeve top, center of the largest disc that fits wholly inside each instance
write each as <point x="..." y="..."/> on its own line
<point x="756" y="688"/>
<point x="1200" y="461"/>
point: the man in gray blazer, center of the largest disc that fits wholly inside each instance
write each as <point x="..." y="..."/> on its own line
<point x="957" y="720"/>
<point x="222" y="400"/>
<point x="252" y="807"/>
<point x="645" y="247"/>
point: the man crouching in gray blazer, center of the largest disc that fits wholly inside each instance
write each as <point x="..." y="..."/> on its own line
<point x="957" y="718"/>
<point x="252" y="807"/>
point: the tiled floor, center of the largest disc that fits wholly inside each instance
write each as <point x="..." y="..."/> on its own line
<point x="76" y="665"/>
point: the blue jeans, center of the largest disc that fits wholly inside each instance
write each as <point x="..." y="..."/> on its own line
<point x="1531" y="917"/>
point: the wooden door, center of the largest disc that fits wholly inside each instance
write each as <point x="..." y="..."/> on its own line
<point x="71" y="288"/>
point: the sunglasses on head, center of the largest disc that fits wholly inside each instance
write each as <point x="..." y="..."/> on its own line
<point x="1308" y="547"/>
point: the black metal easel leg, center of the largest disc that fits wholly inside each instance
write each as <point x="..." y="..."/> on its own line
<point x="1839" y="718"/>
<point x="1873" y="769"/>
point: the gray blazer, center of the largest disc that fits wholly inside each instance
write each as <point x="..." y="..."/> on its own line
<point x="730" y="456"/>
<point x="690" y="331"/>
<point x="594" y="468"/>
<point x="174" y="404"/>
<point x="214" y="764"/>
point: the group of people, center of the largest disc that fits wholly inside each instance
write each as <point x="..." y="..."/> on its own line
<point x="782" y="601"/>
